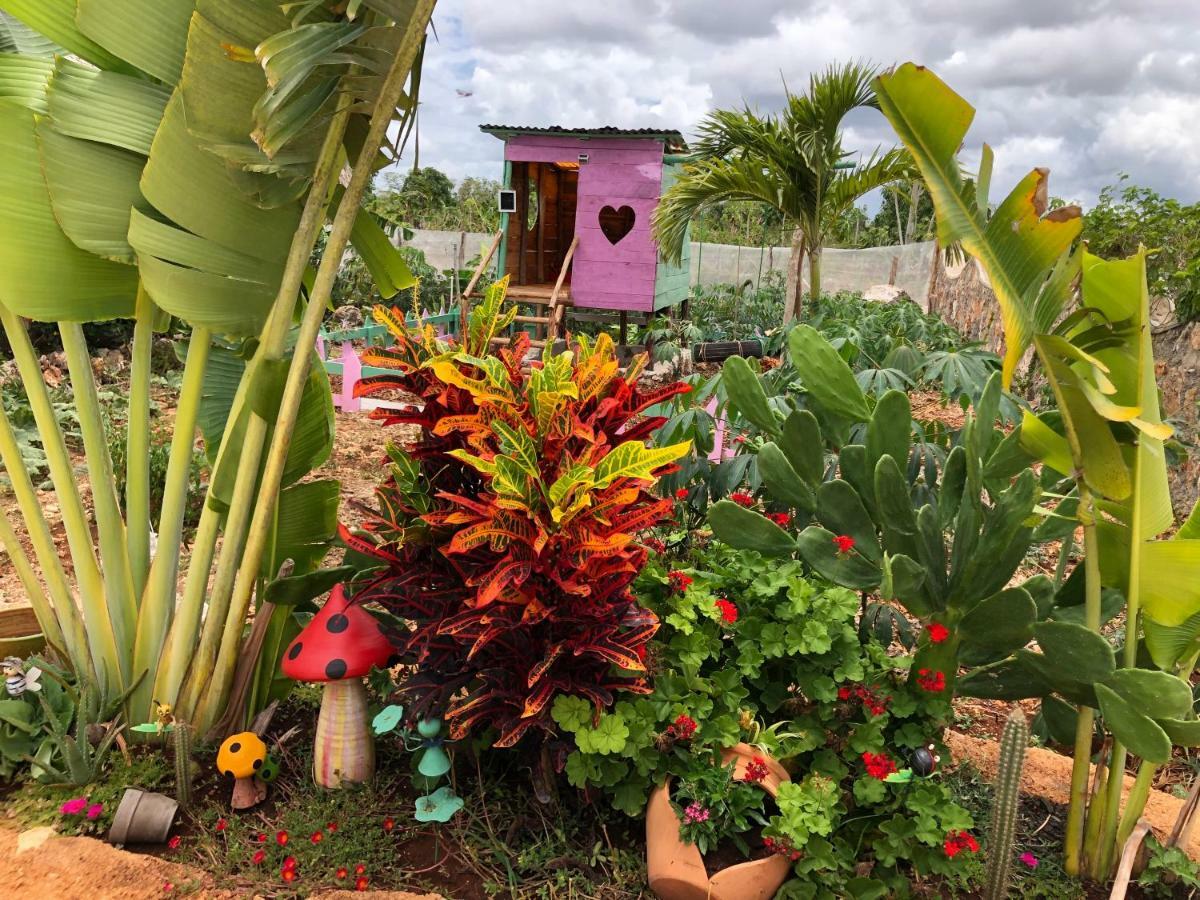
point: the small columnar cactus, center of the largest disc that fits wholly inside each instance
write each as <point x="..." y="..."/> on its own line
<point x="1013" y="742"/>
<point x="182" y="740"/>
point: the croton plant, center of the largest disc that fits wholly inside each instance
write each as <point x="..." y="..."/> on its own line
<point x="505" y="531"/>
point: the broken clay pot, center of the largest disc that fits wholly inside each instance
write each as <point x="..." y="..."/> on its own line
<point x="676" y="869"/>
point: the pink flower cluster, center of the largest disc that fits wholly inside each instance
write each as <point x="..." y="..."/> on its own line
<point x="80" y="805"/>
<point x="695" y="813"/>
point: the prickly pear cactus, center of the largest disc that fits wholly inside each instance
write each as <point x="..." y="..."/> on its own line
<point x="1013" y="742"/>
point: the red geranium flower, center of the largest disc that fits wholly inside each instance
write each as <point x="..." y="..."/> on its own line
<point x="879" y="765"/>
<point x="681" y="494"/>
<point x="932" y="681"/>
<point x="729" y="612"/>
<point x="937" y="632"/>
<point x="683" y="727"/>
<point x="844" y="543"/>
<point x="679" y="581"/>
<point x="782" y="519"/>
<point x="958" y="841"/>
<point x="756" y="770"/>
<point x="741" y="498"/>
<point x="258" y="857"/>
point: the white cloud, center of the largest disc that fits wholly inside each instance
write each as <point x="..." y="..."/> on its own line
<point x="1089" y="88"/>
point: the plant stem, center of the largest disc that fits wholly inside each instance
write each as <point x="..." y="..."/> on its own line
<point x="389" y="97"/>
<point x="110" y="527"/>
<point x="137" y="454"/>
<point x="158" y="603"/>
<point x="102" y="646"/>
<point x="1105" y="849"/>
<point x="1087" y="716"/>
<point x="1137" y="801"/>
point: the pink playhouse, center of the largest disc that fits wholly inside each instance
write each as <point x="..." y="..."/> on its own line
<point x="575" y="222"/>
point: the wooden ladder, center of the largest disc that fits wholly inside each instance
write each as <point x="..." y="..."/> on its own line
<point x="549" y="323"/>
<point x="465" y="297"/>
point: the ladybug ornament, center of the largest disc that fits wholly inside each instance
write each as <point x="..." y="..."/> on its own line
<point x="925" y="761"/>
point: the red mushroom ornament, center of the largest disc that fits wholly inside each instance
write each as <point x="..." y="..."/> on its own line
<point x="338" y="647"/>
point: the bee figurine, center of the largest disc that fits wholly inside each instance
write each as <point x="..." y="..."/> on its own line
<point x="164" y="716"/>
<point x="18" y="679"/>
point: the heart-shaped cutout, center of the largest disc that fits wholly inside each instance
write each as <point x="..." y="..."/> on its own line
<point x="616" y="223"/>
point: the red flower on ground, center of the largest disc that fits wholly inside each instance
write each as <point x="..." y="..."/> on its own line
<point x="879" y="765"/>
<point x="360" y="883"/>
<point x="288" y="875"/>
<point x="844" y="543"/>
<point x="937" y="632"/>
<point x="174" y="842"/>
<point x="260" y="838"/>
<point x="331" y="827"/>
<point x="871" y="701"/>
<point x="360" y="869"/>
<point x="741" y="498"/>
<point x="932" y="681"/>
<point x="281" y="838"/>
<point x="958" y="841"/>
<point x="389" y="823"/>
<point x="289" y="862"/>
<point x="756" y="770"/>
<point x="222" y="824"/>
<point x="316" y="837"/>
<point x="683" y="727"/>
<point x="258" y="857"/>
<point x="342" y="872"/>
<point x="681" y="494"/>
<point x="167" y="887"/>
<point x="782" y="519"/>
<point x="679" y="581"/>
<point x="728" y="611"/>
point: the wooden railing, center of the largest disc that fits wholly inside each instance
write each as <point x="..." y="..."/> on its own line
<point x="465" y="297"/>
<point x="556" y="310"/>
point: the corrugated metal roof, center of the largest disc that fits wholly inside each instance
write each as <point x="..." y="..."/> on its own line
<point x="673" y="139"/>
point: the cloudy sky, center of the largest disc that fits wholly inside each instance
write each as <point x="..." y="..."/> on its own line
<point x="1089" y="88"/>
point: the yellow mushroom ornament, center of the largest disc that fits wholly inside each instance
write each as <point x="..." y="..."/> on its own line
<point x="241" y="757"/>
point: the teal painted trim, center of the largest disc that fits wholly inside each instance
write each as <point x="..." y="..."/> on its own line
<point x="502" y="250"/>
<point x="672" y="280"/>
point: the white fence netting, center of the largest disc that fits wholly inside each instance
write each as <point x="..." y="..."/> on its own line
<point x="841" y="270"/>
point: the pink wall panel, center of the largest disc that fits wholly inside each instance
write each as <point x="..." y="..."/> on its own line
<point x="619" y="172"/>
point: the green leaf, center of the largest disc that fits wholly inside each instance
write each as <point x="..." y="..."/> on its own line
<point x="106" y="107"/>
<point x="1170" y="580"/>
<point x="782" y="480"/>
<point x="1155" y="694"/>
<point x="382" y="259"/>
<point x="850" y="569"/>
<point x="156" y="45"/>
<point x="306" y="523"/>
<point x="1006" y="680"/>
<point x="43" y="275"/>
<point x="1139" y="733"/>
<point x="1045" y="444"/>
<point x="826" y="376"/>
<point x="804" y="446"/>
<point x="841" y="510"/>
<point x="295" y="589"/>
<point x="1060" y="718"/>
<point x="1073" y="659"/>
<point x="746" y="395"/>
<point x="633" y="459"/>
<point x="1000" y="623"/>
<point x="1019" y="242"/>
<point x="56" y="20"/>
<point x="1170" y="644"/>
<point x="570" y="712"/>
<point x="1183" y="732"/>
<point x="889" y="430"/>
<point x="745" y="529"/>
<point x="608" y="736"/>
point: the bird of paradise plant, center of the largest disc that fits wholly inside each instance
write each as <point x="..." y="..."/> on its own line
<point x="185" y="168"/>
<point x="507" y="530"/>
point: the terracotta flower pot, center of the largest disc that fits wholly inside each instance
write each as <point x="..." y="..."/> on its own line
<point x="20" y="633"/>
<point x="676" y="869"/>
<point x="142" y="818"/>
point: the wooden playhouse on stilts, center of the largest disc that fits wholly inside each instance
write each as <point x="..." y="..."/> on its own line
<point x="575" y="237"/>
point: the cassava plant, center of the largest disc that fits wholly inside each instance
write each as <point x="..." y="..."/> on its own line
<point x="506" y="529"/>
<point x="944" y="539"/>
<point x="184" y="167"/>
<point x="1087" y="321"/>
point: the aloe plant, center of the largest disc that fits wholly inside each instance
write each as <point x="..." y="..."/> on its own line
<point x="185" y="168"/>
<point x="1106" y="434"/>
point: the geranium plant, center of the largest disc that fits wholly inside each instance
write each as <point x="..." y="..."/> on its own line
<point x="506" y="529"/>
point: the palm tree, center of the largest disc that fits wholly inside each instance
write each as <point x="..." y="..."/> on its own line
<point x="793" y="162"/>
